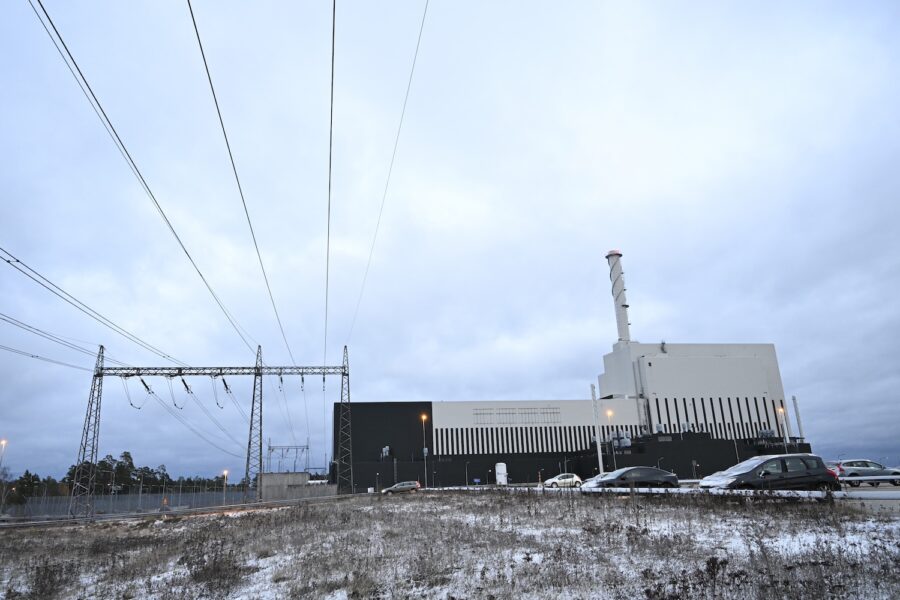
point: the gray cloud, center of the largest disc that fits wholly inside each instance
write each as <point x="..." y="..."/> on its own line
<point x="743" y="160"/>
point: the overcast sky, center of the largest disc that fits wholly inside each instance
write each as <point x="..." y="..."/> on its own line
<point x="743" y="157"/>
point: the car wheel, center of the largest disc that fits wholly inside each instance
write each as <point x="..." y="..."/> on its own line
<point x="554" y="485"/>
<point x="389" y="492"/>
<point x="854" y="483"/>
<point x="577" y="484"/>
<point x="413" y="491"/>
<point x="895" y="482"/>
<point x="874" y="483"/>
<point x="822" y="487"/>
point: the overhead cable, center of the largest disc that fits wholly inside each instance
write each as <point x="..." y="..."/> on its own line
<point x="56" y="338"/>
<point x="181" y="420"/>
<point x="328" y="230"/>
<point x="101" y="113"/>
<point x="49" y="360"/>
<point x="238" y="181"/>
<point x="387" y="183"/>
<point x="69" y="298"/>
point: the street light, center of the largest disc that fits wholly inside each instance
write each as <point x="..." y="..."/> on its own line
<point x="424" y="449"/>
<point x="612" y="448"/>
<point x="2" y="451"/>
<point x="224" y="485"/>
<point x="597" y="428"/>
<point x="467" y="473"/>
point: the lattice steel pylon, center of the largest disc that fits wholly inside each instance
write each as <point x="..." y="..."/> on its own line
<point x="253" y="473"/>
<point x="345" y="440"/>
<point x="81" y="503"/>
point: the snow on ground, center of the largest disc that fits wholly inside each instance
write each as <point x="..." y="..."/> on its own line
<point x="461" y="545"/>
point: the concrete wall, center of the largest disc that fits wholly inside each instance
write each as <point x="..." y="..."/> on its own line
<point x="286" y="486"/>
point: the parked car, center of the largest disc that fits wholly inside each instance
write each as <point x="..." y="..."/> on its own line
<point x="861" y="467"/>
<point x="639" y="476"/>
<point x="403" y="486"/>
<point x="776" y="472"/>
<point x="564" y="480"/>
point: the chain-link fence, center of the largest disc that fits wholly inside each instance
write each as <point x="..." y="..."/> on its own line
<point x="152" y="500"/>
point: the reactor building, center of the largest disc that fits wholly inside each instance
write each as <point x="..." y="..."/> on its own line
<point x="689" y="408"/>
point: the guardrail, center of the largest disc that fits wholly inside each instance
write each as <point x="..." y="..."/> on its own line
<point x="786" y="494"/>
<point x="751" y="493"/>
<point x="888" y="478"/>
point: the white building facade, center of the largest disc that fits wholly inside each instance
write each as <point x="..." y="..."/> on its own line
<point x="512" y="427"/>
<point x="729" y="391"/>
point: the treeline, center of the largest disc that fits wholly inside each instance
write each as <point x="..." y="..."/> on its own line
<point x="113" y="476"/>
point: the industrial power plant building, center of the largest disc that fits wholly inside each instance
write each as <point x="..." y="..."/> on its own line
<point x="689" y="408"/>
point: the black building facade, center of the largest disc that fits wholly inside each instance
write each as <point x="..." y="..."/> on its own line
<point x="394" y="441"/>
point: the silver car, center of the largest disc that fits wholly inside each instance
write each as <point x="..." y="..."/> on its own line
<point x="862" y="467"/>
<point x="403" y="486"/>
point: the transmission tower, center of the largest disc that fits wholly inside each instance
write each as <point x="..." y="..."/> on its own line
<point x="254" y="444"/>
<point x="345" y="444"/>
<point x="81" y="503"/>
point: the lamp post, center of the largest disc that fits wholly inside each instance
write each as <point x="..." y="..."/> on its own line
<point x="467" y="473"/>
<point x="783" y="428"/>
<point x="612" y="448"/>
<point x="424" y="449"/>
<point x="2" y="451"/>
<point x="597" y="428"/>
<point x="224" y="485"/>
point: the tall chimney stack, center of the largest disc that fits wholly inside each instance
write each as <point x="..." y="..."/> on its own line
<point x="614" y="257"/>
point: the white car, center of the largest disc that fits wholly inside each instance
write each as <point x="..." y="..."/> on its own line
<point x="564" y="480"/>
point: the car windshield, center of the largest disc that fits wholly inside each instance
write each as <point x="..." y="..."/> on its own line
<point x="617" y="473"/>
<point x="747" y="465"/>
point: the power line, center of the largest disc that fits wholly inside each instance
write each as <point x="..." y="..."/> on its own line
<point x="328" y="231"/>
<point x="238" y="181"/>
<point x="209" y="415"/>
<point x="55" y="338"/>
<point x="132" y="164"/>
<point x="181" y="420"/>
<point x="330" y="154"/>
<point x="49" y="360"/>
<point x="69" y="298"/>
<point x="390" y="170"/>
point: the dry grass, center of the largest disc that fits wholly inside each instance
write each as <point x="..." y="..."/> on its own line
<point x="494" y="545"/>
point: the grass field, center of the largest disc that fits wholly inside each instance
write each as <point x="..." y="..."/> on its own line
<point x="470" y="545"/>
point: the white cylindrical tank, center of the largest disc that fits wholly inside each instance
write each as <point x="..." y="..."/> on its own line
<point x="500" y="470"/>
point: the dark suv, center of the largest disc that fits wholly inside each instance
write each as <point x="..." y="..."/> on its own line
<point x="776" y="472"/>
